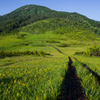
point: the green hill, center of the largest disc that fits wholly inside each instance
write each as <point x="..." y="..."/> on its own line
<point x="31" y="13"/>
<point x="35" y="44"/>
<point x="70" y="28"/>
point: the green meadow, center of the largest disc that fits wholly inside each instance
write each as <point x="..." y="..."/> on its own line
<point x="35" y="77"/>
<point x="40" y="77"/>
<point x="32" y="70"/>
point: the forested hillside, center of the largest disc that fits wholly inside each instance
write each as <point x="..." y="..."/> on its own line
<point x="70" y="28"/>
<point x="31" y="13"/>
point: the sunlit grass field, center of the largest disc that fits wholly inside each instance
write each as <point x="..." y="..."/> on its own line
<point x="88" y="81"/>
<point x="91" y="62"/>
<point x="32" y="77"/>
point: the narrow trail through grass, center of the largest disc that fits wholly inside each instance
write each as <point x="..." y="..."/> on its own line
<point x="93" y="73"/>
<point x="71" y="87"/>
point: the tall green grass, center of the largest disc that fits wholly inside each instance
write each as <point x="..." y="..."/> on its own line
<point x="88" y="81"/>
<point x="33" y="79"/>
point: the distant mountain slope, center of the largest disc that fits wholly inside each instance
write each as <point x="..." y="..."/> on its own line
<point x="32" y="13"/>
<point x="22" y="16"/>
<point x="70" y="28"/>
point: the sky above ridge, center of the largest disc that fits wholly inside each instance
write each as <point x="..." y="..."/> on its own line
<point x="89" y="8"/>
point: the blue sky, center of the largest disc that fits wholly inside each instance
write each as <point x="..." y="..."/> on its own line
<point x="89" y="8"/>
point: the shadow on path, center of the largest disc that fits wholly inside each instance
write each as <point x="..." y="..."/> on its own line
<point x="71" y="87"/>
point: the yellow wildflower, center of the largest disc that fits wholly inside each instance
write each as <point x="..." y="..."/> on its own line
<point x="21" y="92"/>
<point x="27" y="84"/>
<point x="62" y="78"/>
<point x="17" y="94"/>
<point x="9" y="92"/>
<point x="37" y="97"/>
<point x="14" y="81"/>
<point x="23" y="84"/>
<point x="49" y="81"/>
<point x="44" y="96"/>
<point x="42" y="91"/>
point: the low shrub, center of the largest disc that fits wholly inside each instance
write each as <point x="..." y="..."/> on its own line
<point x="93" y="51"/>
<point x="26" y="43"/>
<point x="40" y="45"/>
<point x="52" y="41"/>
<point x="21" y="35"/>
<point x="19" y="53"/>
<point x="79" y="53"/>
<point x="78" y="43"/>
<point x="64" y="45"/>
